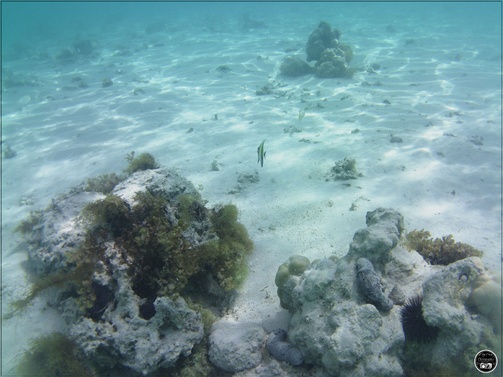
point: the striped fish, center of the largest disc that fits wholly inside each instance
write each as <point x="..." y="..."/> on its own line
<point x="261" y="153"/>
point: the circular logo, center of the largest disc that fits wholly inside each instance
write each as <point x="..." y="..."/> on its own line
<point x="485" y="361"/>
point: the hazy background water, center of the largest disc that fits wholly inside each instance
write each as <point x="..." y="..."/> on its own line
<point x="27" y="27"/>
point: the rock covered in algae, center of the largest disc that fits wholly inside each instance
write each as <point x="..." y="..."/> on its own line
<point x="127" y="330"/>
<point x="136" y="269"/>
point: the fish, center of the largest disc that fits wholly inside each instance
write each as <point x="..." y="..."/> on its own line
<point x="302" y="113"/>
<point x="261" y="153"/>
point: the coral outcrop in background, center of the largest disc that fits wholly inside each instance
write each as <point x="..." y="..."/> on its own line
<point x="323" y="46"/>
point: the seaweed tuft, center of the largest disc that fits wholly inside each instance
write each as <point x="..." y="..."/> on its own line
<point x="230" y="231"/>
<point x="53" y="355"/>
<point x="28" y="225"/>
<point x="104" y="183"/>
<point x="144" y="161"/>
<point x="439" y="251"/>
<point x="111" y="213"/>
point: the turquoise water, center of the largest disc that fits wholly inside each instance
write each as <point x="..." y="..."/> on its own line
<point x="44" y="25"/>
<point x="185" y="79"/>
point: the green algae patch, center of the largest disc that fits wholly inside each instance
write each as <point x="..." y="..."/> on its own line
<point x="165" y="258"/>
<point x="53" y="355"/>
<point x="144" y="161"/>
<point x="190" y="208"/>
<point x="78" y="275"/>
<point x="231" y="232"/>
<point x="104" y="183"/>
<point x="171" y="242"/>
<point x="27" y="226"/>
<point x="111" y="213"/>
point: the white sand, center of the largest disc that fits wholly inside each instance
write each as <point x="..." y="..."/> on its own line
<point x="446" y="184"/>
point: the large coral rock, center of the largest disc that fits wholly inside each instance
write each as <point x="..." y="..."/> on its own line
<point x="332" y="64"/>
<point x="123" y="337"/>
<point x="60" y="229"/>
<point x="346" y="336"/>
<point x="57" y="233"/>
<point x="446" y="306"/>
<point x="341" y="328"/>
<point x="383" y="231"/>
<point x="321" y="38"/>
<point x="236" y="346"/>
<point x="332" y="57"/>
<point x="119" y="300"/>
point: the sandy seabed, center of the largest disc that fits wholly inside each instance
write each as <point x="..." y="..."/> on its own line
<point x="189" y="98"/>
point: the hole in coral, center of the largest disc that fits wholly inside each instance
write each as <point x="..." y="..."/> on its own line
<point x="147" y="309"/>
<point x="145" y="288"/>
<point x="104" y="296"/>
